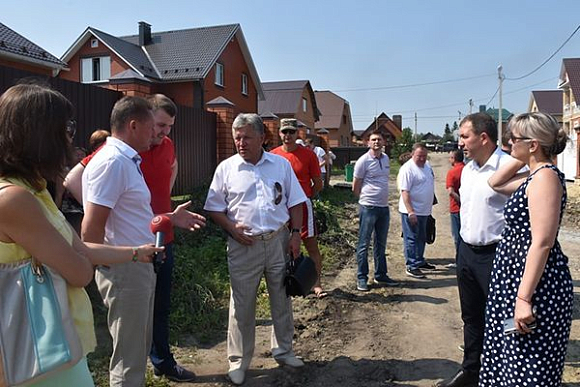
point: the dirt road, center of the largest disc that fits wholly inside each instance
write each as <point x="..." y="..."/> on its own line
<point x="404" y="336"/>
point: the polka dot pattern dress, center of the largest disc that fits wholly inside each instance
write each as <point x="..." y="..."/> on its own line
<point x="534" y="359"/>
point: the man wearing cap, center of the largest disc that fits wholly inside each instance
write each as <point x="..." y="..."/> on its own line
<point x="371" y="186"/>
<point x="252" y="196"/>
<point x="305" y="165"/>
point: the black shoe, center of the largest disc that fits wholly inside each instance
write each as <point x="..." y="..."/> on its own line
<point x="427" y="266"/>
<point x="176" y="374"/>
<point x="462" y="378"/>
<point x="385" y="281"/>
<point x="415" y="273"/>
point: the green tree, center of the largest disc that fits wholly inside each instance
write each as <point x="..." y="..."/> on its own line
<point x="447" y="134"/>
<point x="403" y="144"/>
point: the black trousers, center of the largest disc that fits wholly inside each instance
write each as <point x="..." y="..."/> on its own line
<point x="474" y="266"/>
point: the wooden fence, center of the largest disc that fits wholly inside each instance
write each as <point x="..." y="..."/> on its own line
<point x="345" y="155"/>
<point x="194" y="133"/>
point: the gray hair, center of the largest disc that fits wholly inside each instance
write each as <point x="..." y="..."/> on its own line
<point x="542" y="127"/>
<point x="252" y="119"/>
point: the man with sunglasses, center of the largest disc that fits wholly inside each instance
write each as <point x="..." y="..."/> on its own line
<point x="306" y="167"/>
<point x="253" y="196"/>
<point x="482" y="222"/>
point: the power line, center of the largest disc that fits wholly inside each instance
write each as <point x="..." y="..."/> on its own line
<point x="415" y="84"/>
<point x="547" y="60"/>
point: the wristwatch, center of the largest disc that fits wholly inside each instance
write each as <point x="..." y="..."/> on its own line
<point x="295" y="230"/>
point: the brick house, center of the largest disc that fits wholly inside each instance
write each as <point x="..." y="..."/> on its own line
<point x="20" y="53"/>
<point x="569" y="83"/>
<point x="391" y="129"/>
<point x="335" y="117"/>
<point x="192" y="66"/>
<point x="290" y="99"/>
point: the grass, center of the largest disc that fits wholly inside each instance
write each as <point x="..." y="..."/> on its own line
<point x="200" y="293"/>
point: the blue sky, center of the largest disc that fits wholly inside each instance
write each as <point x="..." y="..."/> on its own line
<point x="361" y="49"/>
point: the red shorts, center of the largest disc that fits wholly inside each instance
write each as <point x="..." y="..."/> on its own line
<point x="308" y="221"/>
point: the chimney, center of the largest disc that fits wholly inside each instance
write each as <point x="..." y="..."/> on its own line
<point x="482" y="108"/>
<point x="398" y="120"/>
<point x="144" y="33"/>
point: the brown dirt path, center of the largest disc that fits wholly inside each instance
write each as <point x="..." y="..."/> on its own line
<point x="404" y="336"/>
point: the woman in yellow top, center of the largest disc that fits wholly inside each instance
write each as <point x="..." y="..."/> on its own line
<point x="35" y="146"/>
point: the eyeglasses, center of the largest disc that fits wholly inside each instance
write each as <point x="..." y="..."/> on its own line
<point x="71" y="128"/>
<point x="278" y="189"/>
<point x="515" y="139"/>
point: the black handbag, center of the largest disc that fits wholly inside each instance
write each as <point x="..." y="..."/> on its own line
<point x="431" y="230"/>
<point x="300" y="276"/>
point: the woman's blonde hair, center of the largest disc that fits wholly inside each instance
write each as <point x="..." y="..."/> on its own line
<point x="543" y="128"/>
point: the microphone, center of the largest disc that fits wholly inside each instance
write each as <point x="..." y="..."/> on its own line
<point x="160" y="226"/>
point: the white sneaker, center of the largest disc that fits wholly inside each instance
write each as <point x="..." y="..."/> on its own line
<point x="291" y="361"/>
<point x="237" y="376"/>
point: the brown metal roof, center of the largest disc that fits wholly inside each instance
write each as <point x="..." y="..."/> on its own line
<point x="285" y="97"/>
<point x="548" y="101"/>
<point x="332" y="108"/>
<point x="572" y="68"/>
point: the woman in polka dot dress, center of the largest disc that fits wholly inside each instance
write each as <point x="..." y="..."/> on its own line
<point x="530" y="271"/>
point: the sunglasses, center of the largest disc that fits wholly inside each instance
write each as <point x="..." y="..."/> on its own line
<point x="71" y="128"/>
<point x="278" y="189"/>
<point x="515" y="139"/>
<point x="288" y="131"/>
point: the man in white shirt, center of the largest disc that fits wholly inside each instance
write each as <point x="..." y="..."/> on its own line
<point x="253" y="195"/>
<point x="322" y="157"/>
<point x="371" y="186"/>
<point x="118" y="212"/>
<point x="417" y="186"/>
<point x="482" y="223"/>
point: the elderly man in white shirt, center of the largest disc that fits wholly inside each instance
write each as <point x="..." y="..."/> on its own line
<point x="253" y="195"/>
<point x="482" y="223"/>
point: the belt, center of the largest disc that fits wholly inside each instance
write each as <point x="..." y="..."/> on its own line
<point x="268" y="235"/>
<point x="482" y="248"/>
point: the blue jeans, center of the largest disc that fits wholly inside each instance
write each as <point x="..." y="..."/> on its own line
<point x="371" y="219"/>
<point x="160" y="354"/>
<point x="414" y="239"/>
<point x="455" y="227"/>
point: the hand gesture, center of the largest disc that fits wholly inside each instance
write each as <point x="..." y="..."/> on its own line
<point x="237" y="231"/>
<point x="183" y="218"/>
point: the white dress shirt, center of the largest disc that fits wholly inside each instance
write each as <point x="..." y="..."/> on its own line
<point x="114" y="180"/>
<point x="481" y="212"/>
<point x="249" y="195"/>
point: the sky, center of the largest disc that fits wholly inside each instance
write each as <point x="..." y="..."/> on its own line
<point x="394" y="56"/>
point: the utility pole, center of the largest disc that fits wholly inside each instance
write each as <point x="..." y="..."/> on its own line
<point x="415" y="139"/>
<point x="470" y="105"/>
<point x="499" y="114"/>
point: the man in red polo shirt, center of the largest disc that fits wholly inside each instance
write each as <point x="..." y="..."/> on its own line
<point x="453" y="182"/>
<point x="306" y="168"/>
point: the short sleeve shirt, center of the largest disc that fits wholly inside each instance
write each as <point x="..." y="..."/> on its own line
<point x="420" y="183"/>
<point x="113" y="179"/>
<point x="320" y="153"/>
<point x="304" y="163"/>
<point x="255" y="195"/>
<point x="453" y="180"/>
<point x="374" y="174"/>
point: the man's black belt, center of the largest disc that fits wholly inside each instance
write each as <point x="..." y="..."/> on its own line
<point x="482" y="248"/>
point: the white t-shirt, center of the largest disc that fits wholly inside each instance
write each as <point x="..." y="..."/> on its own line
<point x="257" y="196"/>
<point x="320" y="153"/>
<point x="420" y="183"/>
<point x="374" y="174"/>
<point x="114" y="180"/>
<point x="481" y="212"/>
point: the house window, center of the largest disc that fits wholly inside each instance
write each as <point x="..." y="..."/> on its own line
<point x="344" y="119"/>
<point x="244" y="84"/>
<point x="97" y="69"/>
<point x="304" y="104"/>
<point x="219" y="74"/>
<point x="94" y="43"/>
